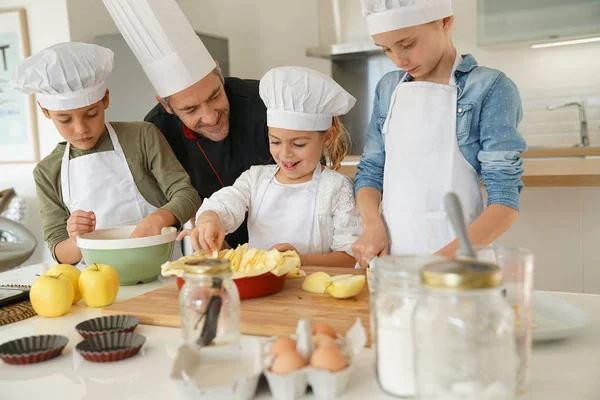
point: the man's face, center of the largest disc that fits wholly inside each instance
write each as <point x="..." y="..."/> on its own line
<point x="203" y="107"/>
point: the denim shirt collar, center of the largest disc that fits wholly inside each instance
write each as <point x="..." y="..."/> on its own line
<point x="467" y="65"/>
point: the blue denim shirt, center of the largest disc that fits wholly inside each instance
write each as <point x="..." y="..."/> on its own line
<point x="488" y="112"/>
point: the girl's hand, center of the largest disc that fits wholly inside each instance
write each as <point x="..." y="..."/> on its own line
<point x="208" y="235"/>
<point x="372" y="243"/>
<point x="283" y="247"/>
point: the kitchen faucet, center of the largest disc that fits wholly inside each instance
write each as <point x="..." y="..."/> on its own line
<point x="583" y="132"/>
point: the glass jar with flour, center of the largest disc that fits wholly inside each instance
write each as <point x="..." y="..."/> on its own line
<point x="464" y="334"/>
<point x="395" y="293"/>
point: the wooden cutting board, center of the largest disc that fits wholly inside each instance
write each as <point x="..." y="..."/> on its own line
<point x="277" y="314"/>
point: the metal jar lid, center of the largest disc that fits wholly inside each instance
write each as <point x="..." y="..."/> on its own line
<point x="208" y="266"/>
<point x="461" y="275"/>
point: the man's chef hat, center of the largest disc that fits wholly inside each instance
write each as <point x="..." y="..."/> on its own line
<point x="302" y="99"/>
<point x="65" y="76"/>
<point x="389" y="15"/>
<point x="170" y="52"/>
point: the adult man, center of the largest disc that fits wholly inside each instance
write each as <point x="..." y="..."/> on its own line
<point x="216" y="126"/>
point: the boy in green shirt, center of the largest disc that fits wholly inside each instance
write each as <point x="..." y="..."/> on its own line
<point x="106" y="174"/>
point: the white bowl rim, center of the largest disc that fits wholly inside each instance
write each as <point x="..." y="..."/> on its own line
<point x="169" y="234"/>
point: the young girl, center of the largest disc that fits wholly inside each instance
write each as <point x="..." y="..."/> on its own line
<point x="104" y="175"/>
<point x="440" y="124"/>
<point x="296" y="204"/>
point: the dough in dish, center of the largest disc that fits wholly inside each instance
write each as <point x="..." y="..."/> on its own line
<point x="244" y="262"/>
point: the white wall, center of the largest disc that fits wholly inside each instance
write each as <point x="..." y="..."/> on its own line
<point x="48" y="25"/>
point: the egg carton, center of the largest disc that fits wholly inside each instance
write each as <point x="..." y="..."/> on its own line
<point x="324" y="384"/>
<point x="233" y="372"/>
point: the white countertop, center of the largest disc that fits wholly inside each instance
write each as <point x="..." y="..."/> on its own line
<point x="563" y="370"/>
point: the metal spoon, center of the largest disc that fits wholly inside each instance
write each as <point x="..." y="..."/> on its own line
<point x="457" y="219"/>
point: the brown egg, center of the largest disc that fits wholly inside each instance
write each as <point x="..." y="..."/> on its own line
<point x="287" y="362"/>
<point x="323" y="328"/>
<point x="329" y="358"/>
<point x="282" y="345"/>
<point x="323" y="340"/>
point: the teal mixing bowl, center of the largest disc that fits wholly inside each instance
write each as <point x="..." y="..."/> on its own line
<point x="135" y="260"/>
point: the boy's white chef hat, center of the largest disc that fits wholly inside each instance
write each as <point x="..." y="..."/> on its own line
<point x="302" y="99"/>
<point x="65" y="76"/>
<point x="165" y="44"/>
<point x="389" y="15"/>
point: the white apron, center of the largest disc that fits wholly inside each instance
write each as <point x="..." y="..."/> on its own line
<point x="102" y="182"/>
<point x="423" y="162"/>
<point x="274" y="220"/>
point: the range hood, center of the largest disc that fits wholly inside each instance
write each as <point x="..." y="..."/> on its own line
<point x="342" y="31"/>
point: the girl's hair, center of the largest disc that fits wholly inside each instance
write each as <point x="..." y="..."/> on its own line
<point x="339" y="145"/>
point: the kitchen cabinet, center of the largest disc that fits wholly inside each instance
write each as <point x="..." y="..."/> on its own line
<point x="523" y="22"/>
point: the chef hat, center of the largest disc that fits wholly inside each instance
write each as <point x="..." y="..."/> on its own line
<point x="165" y="44"/>
<point x="65" y="76"/>
<point x="302" y="99"/>
<point x="389" y="15"/>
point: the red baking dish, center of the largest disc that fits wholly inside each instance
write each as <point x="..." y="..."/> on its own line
<point x="254" y="286"/>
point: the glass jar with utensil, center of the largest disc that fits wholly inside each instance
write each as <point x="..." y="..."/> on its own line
<point x="209" y="304"/>
<point x="464" y="334"/>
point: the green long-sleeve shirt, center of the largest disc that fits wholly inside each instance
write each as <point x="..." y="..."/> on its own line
<point x="159" y="177"/>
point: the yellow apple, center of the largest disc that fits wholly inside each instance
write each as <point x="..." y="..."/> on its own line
<point x="51" y="295"/>
<point x="315" y="282"/>
<point x="339" y="277"/>
<point x="99" y="285"/>
<point x="345" y="286"/>
<point x="71" y="273"/>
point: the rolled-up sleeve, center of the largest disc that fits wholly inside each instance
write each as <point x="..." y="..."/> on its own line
<point x="372" y="161"/>
<point x="501" y="164"/>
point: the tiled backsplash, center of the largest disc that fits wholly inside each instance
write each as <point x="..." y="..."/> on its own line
<point x="559" y="127"/>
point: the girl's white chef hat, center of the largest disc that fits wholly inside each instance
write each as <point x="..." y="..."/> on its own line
<point x="302" y="99"/>
<point x="389" y="15"/>
<point x="65" y="76"/>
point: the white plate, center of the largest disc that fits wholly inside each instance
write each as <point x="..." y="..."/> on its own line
<point x="553" y="318"/>
<point x="556" y="318"/>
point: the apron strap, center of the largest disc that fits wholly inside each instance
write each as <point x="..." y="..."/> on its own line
<point x="64" y="175"/>
<point x="260" y="195"/>
<point x="115" y="140"/>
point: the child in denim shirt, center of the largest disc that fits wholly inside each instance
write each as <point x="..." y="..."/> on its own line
<point x="441" y="123"/>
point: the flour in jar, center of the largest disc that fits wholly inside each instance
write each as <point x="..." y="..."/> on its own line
<point x="395" y="350"/>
